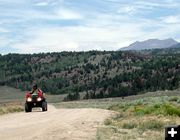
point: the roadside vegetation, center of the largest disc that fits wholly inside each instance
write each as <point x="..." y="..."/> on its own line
<point x="11" y="100"/>
<point x="6" y="108"/>
<point x="141" y="119"/>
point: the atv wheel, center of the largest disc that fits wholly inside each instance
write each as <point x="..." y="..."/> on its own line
<point x="27" y="108"/>
<point x="44" y="106"/>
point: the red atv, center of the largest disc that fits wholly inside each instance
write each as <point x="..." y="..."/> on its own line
<point x="35" y="100"/>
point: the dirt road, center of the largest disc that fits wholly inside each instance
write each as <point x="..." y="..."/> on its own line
<point x="55" y="124"/>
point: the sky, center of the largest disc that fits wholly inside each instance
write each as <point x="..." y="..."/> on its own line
<point x="34" y="26"/>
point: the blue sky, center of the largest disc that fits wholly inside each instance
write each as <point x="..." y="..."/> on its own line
<point x="33" y="26"/>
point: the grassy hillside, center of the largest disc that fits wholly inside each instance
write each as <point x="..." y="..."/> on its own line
<point x="93" y="74"/>
<point x="105" y="103"/>
<point x="8" y="94"/>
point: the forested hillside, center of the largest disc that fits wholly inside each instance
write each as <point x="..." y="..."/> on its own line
<point x="95" y="74"/>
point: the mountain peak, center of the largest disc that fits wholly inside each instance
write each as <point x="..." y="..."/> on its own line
<point x="151" y="44"/>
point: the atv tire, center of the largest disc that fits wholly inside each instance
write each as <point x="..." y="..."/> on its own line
<point x="44" y="106"/>
<point x="27" y="108"/>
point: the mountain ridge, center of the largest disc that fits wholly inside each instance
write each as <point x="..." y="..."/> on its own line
<point x="151" y="44"/>
<point x="176" y="46"/>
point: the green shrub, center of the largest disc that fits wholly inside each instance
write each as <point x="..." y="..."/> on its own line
<point x="152" y="125"/>
<point x="173" y="99"/>
<point x="15" y="109"/>
<point x="10" y="109"/>
<point x="107" y="122"/>
<point x="171" y="110"/>
<point x="164" y="109"/>
<point x="1" y="111"/>
<point x="129" y="125"/>
<point x="139" y="111"/>
<point x="144" y="110"/>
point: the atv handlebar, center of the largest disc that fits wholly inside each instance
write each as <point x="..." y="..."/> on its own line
<point x="40" y="94"/>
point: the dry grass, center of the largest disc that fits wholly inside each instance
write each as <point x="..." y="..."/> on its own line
<point x="135" y="127"/>
<point x="11" y="100"/>
<point x="6" y="108"/>
<point x="86" y="104"/>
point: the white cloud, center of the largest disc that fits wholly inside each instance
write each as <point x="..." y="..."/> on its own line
<point x="49" y="2"/>
<point x="158" y="4"/>
<point x="76" y="39"/>
<point x="4" y="41"/>
<point x="42" y="3"/>
<point x="30" y="15"/>
<point x="68" y="14"/>
<point x="3" y="30"/>
<point x="172" y="19"/>
<point x="127" y="10"/>
<point x="33" y="47"/>
<point x="25" y="12"/>
<point x="46" y="40"/>
<point x="13" y="2"/>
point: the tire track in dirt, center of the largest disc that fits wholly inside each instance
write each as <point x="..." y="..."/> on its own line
<point x="55" y="124"/>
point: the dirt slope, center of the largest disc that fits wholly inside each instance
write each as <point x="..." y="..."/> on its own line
<point x="55" y="124"/>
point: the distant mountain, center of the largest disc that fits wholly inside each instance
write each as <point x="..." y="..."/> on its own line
<point x="151" y="44"/>
<point x="176" y="46"/>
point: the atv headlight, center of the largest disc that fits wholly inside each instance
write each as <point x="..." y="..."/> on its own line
<point x="29" y="99"/>
<point x="39" y="99"/>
